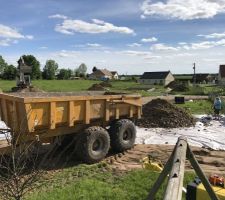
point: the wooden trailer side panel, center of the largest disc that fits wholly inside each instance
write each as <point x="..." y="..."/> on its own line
<point x="35" y="116"/>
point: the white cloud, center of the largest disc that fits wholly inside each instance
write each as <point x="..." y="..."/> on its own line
<point x="151" y="39"/>
<point x="143" y="17"/>
<point x="135" y="53"/>
<point x="69" y="26"/>
<point x="134" y="45"/>
<point x="5" y="42"/>
<point x="43" y="47"/>
<point x="8" y="32"/>
<point x="184" y="9"/>
<point x="214" y="36"/>
<point x="10" y="35"/>
<point x="66" y="53"/>
<point x="93" y="45"/>
<point x="29" y="37"/>
<point x="163" y="47"/>
<point x="57" y="16"/>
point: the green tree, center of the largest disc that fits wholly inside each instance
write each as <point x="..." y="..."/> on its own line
<point x="50" y="70"/>
<point x="3" y="65"/>
<point x="82" y="69"/>
<point x="30" y="60"/>
<point x="64" y="74"/>
<point x="9" y="72"/>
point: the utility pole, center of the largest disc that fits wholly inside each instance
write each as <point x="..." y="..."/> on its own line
<point x="194" y="77"/>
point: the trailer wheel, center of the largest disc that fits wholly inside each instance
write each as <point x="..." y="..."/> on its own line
<point x="122" y="135"/>
<point x="94" y="144"/>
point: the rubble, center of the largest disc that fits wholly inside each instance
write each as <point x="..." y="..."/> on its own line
<point x="161" y="113"/>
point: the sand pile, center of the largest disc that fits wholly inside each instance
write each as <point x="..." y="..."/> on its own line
<point x="161" y="113"/>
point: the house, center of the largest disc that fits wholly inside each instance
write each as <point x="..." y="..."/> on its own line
<point x="203" y="78"/>
<point x="221" y="76"/>
<point x="157" y="78"/>
<point x="101" y="74"/>
<point x="185" y="79"/>
<point x="115" y="75"/>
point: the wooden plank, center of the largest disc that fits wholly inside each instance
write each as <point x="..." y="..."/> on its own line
<point x="107" y="110"/>
<point x="28" y="113"/>
<point x="87" y="112"/>
<point x="175" y="182"/>
<point x="52" y="115"/>
<point x="139" y="112"/>
<point x="161" y="178"/>
<point x="15" y="119"/>
<point x="117" y="112"/>
<point x="4" y="111"/>
<point x="131" y="112"/>
<point x="200" y="174"/>
<point x="71" y="113"/>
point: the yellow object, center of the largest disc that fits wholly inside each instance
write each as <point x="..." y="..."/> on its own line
<point x="147" y="163"/>
<point x="54" y="114"/>
<point x="202" y="194"/>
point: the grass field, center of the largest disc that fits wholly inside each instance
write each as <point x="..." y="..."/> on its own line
<point x="198" y="107"/>
<point x="99" y="182"/>
<point x="78" y="85"/>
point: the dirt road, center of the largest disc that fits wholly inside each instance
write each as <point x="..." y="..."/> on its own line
<point x="210" y="161"/>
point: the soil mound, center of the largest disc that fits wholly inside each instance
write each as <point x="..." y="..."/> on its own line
<point x="26" y="89"/>
<point x="96" y="87"/>
<point x="105" y="84"/>
<point x="177" y="86"/>
<point x="161" y="113"/>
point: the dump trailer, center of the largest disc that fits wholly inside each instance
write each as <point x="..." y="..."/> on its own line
<point x="95" y="119"/>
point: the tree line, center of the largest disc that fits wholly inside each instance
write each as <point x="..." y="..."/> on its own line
<point x="50" y="71"/>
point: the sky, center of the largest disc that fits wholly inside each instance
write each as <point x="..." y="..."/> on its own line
<point x="128" y="36"/>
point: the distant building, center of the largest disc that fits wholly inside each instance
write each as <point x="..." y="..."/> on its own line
<point x="157" y="78"/>
<point x="115" y="75"/>
<point x="221" y="76"/>
<point x="101" y="74"/>
<point x="204" y="78"/>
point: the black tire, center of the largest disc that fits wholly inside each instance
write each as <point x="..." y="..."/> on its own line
<point x="93" y="145"/>
<point x="122" y="135"/>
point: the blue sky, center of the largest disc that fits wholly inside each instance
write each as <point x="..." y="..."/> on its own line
<point x="130" y="36"/>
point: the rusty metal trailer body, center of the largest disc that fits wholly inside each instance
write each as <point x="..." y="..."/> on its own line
<point x="48" y="115"/>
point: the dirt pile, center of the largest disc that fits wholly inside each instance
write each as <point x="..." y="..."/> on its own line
<point x="105" y="84"/>
<point x="26" y="89"/>
<point x="161" y="113"/>
<point x="100" y="86"/>
<point x="96" y="87"/>
<point x="177" y="86"/>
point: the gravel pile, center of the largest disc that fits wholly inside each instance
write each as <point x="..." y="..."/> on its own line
<point x="161" y="113"/>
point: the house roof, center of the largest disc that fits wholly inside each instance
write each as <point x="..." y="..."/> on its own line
<point x="222" y="71"/>
<point x="155" y="75"/>
<point x="202" y="77"/>
<point x="102" y="72"/>
<point x="114" y="72"/>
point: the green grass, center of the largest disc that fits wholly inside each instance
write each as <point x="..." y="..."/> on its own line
<point x="79" y="85"/>
<point x="198" y="106"/>
<point x="99" y="182"/>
